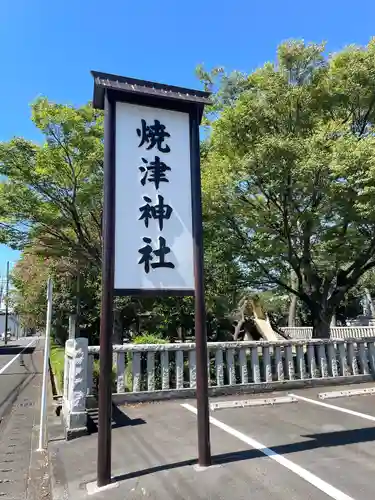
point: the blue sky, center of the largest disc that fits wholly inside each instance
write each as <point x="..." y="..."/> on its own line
<point x="48" y="48"/>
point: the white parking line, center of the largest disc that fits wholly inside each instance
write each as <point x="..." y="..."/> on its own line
<point x="2" y="370"/>
<point x="334" y="407"/>
<point x="321" y="485"/>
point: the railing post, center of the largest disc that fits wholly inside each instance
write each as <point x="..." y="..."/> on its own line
<point x="332" y="357"/>
<point x="322" y="357"/>
<point x="164" y="370"/>
<point x="301" y="362"/>
<point x="150" y="371"/>
<point x="289" y="362"/>
<point x="136" y="366"/>
<point x="267" y="366"/>
<point x="363" y="358"/>
<point x="311" y="360"/>
<point x="243" y="366"/>
<point x="279" y="364"/>
<point x="231" y="368"/>
<point x="209" y="382"/>
<point x="120" y="372"/>
<point x="219" y="367"/>
<point x="255" y="365"/>
<point x="343" y="359"/>
<point x="192" y="369"/>
<point x="352" y="358"/>
<point x="179" y="369"/>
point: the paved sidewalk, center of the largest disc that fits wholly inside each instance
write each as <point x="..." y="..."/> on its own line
<point x="23" y="471"/>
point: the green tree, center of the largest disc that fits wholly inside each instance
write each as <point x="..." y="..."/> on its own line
<point x="28" y="294"/>
<point x="52" y="193"/>
<point x="29" y="278"/>
<point x="51" y="207"/>
<point x="290" y="174"/>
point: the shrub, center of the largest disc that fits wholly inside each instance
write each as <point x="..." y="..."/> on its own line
<point x="95" y="375"/>
<point x="56" y="357"/>
<point x="148" y="339"/>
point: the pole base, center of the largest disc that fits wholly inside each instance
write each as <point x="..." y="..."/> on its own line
<point x="93" y="488"/>
<point x="202" y="468"/>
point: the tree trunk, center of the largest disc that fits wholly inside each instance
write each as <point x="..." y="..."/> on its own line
<point x="238" y="329"/>
<point x="181" y="334"/>
<point x="370" y="302"/>
<point x="293" y="301"/>
<point x="292" y="311"/>
<point x="117" y="328"/>
<point x="333" y="319"/>
<point x="321" y="325"/>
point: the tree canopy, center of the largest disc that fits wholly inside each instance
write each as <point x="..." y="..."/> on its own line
<point x="289" y="174"/>
<point x="52" y="195"/>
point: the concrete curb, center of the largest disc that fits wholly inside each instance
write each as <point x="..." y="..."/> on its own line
<point x="59" y="483"/>
<point x="244" y="403"/>
<point x="349" y="393"/>
<point x="188" y="393"/>
<point x="38" y="486"/>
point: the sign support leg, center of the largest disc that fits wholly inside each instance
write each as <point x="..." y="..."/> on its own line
<point x="106" y="319"/>
<point x="204" y="447"/>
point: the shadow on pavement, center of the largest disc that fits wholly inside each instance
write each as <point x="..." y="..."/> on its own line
<point x="119" y="419"/>
<point x="324" y="440"/>
<point x="10" y="350"/>
<point x="7" y="402"/>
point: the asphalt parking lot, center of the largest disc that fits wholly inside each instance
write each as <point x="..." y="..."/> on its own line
<point x="329" y="444"/>
<point x="308" y="449"/>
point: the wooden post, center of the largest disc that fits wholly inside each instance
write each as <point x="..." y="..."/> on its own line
<point x="106" y="319"/>
<point x="204" y="450"/>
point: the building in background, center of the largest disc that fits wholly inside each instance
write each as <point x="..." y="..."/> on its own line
<point x="14" y="326"/>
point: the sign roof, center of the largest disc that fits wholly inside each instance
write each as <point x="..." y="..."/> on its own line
<point x="103" y="81"/>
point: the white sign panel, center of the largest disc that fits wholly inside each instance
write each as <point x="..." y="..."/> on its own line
<point x="153" y="240"/>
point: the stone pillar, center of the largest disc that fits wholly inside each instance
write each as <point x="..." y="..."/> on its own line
<point x="72" y="326"/>
<point x="75" y="388"/>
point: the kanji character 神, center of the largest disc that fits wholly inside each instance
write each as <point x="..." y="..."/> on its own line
<point x="159" y="212"/>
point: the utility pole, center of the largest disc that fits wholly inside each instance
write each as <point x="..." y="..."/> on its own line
<point x="78" y="299"/>
<point x="6" y="305"/>
<point x="43" y="408"/>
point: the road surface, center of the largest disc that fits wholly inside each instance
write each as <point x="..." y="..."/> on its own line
<point x="23" y="473"/>
<point x="16" y="370"/>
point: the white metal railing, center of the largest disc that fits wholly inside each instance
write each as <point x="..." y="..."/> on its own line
<point x="337" y="332"/>
<point x="298" y="332"/>
<point x="144" y="369"/>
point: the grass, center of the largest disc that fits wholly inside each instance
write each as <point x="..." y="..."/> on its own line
<point x="57" y="365"/>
